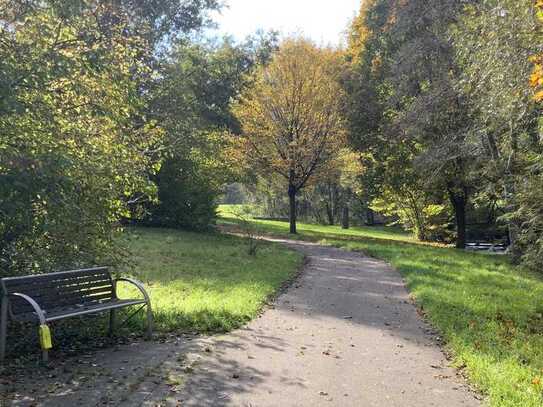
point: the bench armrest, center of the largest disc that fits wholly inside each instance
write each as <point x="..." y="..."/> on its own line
<point x="139" y="286"/>
<point x="34" y="304"/>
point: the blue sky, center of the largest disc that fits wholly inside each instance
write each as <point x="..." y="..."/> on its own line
<point x="325" y="21"/>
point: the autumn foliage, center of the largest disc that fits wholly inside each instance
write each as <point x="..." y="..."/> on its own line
<point x="291" y="117"/>
<point x="536" y="79"/>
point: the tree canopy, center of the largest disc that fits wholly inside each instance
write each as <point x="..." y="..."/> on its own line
<point x="291" y="115"/>
<point x="440" y="105"/>
<point x="128" y="111"/>
<point x="78" y="147"/>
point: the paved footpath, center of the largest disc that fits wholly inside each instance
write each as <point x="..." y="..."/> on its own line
<point x="344" y="334"/>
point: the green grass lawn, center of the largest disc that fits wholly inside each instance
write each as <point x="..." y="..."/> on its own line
<point x="489" y="312"/>
<point x="205" y="282"/>
<point x="198" y="282"/>
<point x="227" y="214"/>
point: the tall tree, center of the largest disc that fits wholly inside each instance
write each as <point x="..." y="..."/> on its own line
<point x="291" y="116"/>
<point x="72" y="140"/>
<point x="494" y="41"/>
<point x="413" y="119"/>
<point x="436" y="116"/>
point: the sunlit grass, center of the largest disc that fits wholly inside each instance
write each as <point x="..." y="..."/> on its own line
<point x="198" y="282"/>
<point x="489" y="311"/>
<point x="228" y="215"/>
<point x="206" y="282"/>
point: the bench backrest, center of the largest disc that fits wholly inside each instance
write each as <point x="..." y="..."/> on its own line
<point x="60" y="290"/>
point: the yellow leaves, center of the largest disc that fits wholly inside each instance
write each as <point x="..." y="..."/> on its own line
<point x="534" y="59"/>
<point x="539" y="9"/>
<point x="536" y="78"/>
<point x="359" y="32"/>
<point x="156" y="167"/>
<point x="292" y="115"/>
<point x="376" y="63"/>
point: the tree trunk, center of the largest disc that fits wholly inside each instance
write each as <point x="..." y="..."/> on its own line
<point x="330" y="205"/>
<point x="370" y="217"/>
<point x="345" y="218"/>
<point x="417" y="217"/>
<point x="459" y="203"/>
<point x="292" y="208"/>
<point x="330" y="214"/>
<point x="512" y="226"/>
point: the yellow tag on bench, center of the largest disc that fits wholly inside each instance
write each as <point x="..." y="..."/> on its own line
<point x="45" y="337"/>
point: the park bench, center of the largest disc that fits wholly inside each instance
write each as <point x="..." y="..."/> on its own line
<point x="50" y="297"/>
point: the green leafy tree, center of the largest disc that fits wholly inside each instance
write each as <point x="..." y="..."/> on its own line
<point x="406" y="114"/>
<point x="494" y="42"/>
<point x="192" y="101"/>
<point x="75" y="144"/>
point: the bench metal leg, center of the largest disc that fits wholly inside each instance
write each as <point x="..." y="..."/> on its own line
<point x="111" y="322"/>
<point x="3" y="327"/>
<point x="140" y="287"/>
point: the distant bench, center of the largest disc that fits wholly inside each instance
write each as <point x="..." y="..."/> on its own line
<point x="50" y="297"/>
<point x="485" y="246"/>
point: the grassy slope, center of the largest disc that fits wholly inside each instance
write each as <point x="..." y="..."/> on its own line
<point x="489" y="312"/>
<point x="206" y="282"/>
<point x="198" y="282"/>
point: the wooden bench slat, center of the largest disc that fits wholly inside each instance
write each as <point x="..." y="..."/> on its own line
<point x="67" y="288"/>
<point x="61" y="290"/>
<point x="48" y="300"/>
<point x="54" y="294"/>
<point x="59" y="274"/>
<point x="33" y="284"/>
<point x="51" y="302"/>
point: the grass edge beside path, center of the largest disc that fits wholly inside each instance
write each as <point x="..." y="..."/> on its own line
<point x="206" y="282"/>
<point x="489" y="312"/>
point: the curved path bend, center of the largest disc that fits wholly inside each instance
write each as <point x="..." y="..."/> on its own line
<point x="345" y="334"/>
